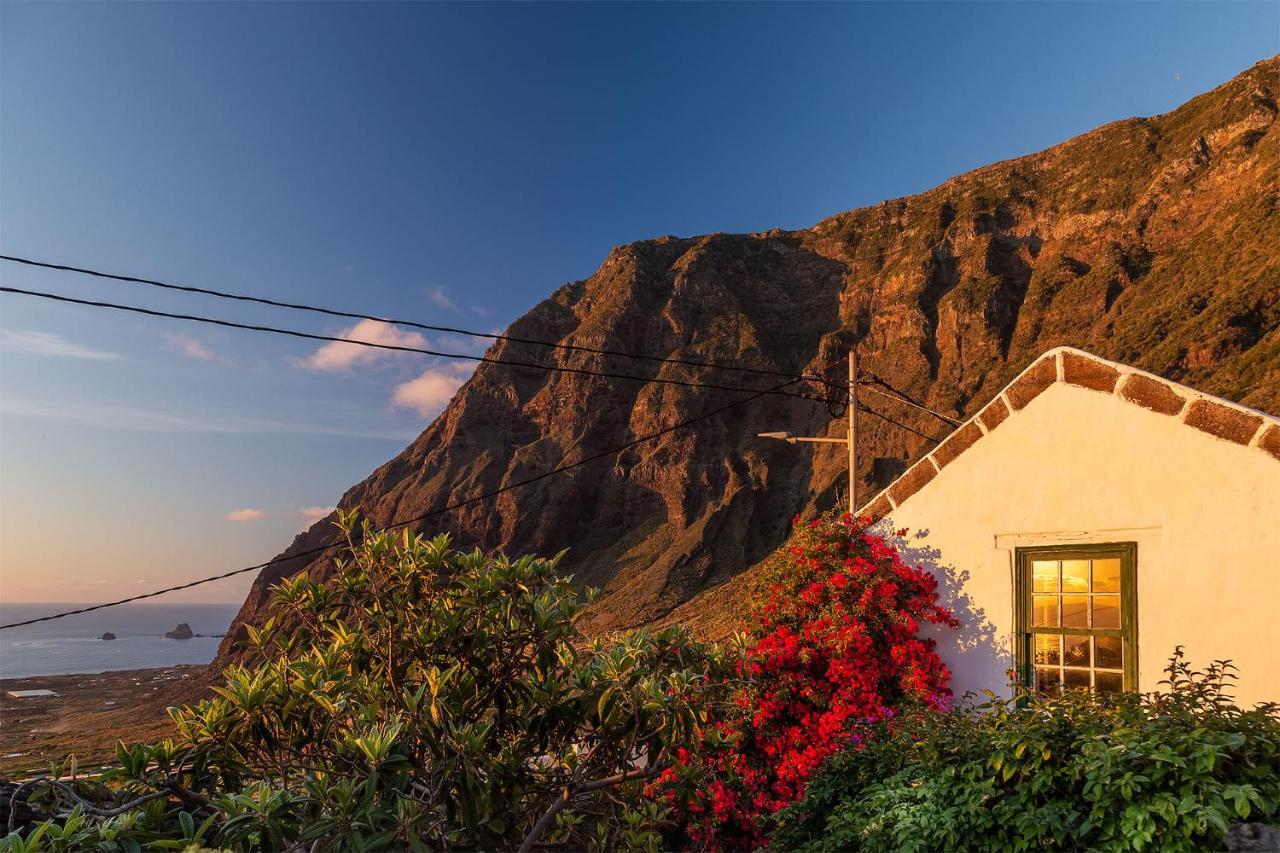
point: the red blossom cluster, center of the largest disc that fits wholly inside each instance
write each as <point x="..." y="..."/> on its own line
<point x="833" y="646"/>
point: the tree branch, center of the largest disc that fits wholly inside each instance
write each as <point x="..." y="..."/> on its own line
<point x="572" y="792"/>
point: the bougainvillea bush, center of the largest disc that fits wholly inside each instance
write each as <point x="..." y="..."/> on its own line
<point x="833" y="647"/>
<point x="1077" y="771"/>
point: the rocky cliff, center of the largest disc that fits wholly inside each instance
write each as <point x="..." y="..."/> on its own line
<point x="1153" y="241"/>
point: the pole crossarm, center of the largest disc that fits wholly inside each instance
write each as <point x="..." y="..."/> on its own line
<point x="850" y="440"/>
<point x="792" y="439"/>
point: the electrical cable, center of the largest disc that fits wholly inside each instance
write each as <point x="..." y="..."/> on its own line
<point x="353" y="315"/>
<point x="903" y="398"/>
<point x="396" y="347"/>
<point x="870" y="411"/>
<point x="449" y="508"/>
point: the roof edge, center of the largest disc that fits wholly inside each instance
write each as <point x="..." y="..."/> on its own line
<point x="1222" y="419"/>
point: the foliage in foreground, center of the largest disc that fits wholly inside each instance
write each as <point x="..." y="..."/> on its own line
<point x="424" y="699"/>
<point x="834" y="646"/>
<point x="1078" y="771"/>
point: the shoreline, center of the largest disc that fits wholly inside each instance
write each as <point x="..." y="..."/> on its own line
<point x="90" y="712"/>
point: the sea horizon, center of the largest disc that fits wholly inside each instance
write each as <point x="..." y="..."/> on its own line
<point x="73" y="645"/>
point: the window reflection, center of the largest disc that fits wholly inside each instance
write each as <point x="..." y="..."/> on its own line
<point x="1075" y="611"/>
<point x="1084" y="595"/>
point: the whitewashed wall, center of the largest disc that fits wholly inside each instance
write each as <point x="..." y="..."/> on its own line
<point x="1080" y="466"/>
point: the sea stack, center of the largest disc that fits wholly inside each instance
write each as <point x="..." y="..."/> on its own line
<point x="182" y="632"/>
<point x="108" y="636"/>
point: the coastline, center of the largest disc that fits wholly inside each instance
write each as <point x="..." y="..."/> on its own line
<point x="89" y="714"/>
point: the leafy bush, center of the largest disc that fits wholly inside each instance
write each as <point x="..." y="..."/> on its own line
<point x="1167" y="770"/>
<point x="424" y="699"/>
<point x="835" y="646"/>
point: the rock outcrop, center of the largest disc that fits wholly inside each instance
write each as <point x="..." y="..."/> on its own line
<point x="1151" y="241"/>
<point x="182" y="632"/>
<point x="107" y="635"/>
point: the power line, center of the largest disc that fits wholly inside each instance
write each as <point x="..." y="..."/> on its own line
<point x="449" y="508"/>
<point x="353" y="315"/>
<point x="870" y="411"/>
<point x="150" y="312"/>
<point x="903" y="398"/>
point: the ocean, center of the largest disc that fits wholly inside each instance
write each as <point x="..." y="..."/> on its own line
<point x="74" y="644"/>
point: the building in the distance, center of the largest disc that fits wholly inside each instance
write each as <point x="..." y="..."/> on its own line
<point x="1093" y="517"/>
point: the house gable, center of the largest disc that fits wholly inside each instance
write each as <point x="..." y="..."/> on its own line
<point x="1219" y="418"/>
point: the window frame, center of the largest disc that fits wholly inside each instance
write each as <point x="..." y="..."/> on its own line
<point x="1127" y="552"/>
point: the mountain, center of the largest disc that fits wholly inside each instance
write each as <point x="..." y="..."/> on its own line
<point x="1152" y="241"/>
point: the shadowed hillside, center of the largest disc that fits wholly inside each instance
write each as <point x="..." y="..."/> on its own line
<point x="1149" y="241"/>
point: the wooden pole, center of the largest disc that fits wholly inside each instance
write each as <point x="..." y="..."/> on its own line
<point x="853" y="431"/>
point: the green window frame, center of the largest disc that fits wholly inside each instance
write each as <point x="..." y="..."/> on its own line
<point x="1077" y="616"/>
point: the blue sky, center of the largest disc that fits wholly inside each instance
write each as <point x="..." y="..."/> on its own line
<point x="448" y="163"/>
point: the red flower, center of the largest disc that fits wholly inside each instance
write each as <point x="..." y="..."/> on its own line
<point x="833" y="648"/>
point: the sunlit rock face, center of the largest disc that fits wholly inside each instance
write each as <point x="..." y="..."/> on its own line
<point x="1148" y="241"/>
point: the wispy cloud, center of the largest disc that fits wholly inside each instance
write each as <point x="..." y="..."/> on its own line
<point x="245" y="516"/>
<point x="466" y="344"/>
<point x="344" y="356"/>
<point x="47" y="343"/>
<point x="431" y="391"/>
<point x="441" y="299"/>
<point x="144" y="420"/>
<point x="310" y="515"/>
<point x="189" y="347"/>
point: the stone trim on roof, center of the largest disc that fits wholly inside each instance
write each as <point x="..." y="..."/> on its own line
<point x="1220" y="418"/>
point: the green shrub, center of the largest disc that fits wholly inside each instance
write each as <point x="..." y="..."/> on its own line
<point x="423" y="699"/>
<point x="1074" y="771"/>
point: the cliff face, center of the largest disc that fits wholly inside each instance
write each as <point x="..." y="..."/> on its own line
<point x="1150" y="241"/>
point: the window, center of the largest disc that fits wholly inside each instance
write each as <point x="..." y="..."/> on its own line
<point x="1077" y="617"/>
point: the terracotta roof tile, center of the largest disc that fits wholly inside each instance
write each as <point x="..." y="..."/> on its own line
<point x="1089" y="373"/>
<point x="958" y="442"/>
<point x="912" y="481"/>
<point x="1270" y="441"/>
<point x="994" y="414"/>
<point x="1222" y="421"/>
<point x="1035" y="379"/>
<point x="1151" y="394"/>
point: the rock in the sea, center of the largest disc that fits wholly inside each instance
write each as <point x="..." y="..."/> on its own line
<point x="182" y="632"/>
<point x="108" y="636"/>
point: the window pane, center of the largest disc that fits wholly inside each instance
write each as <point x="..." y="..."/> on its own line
<point x="1044" y="611"/>
<point x="1106" y="611"/>
<point x="1106" y="575"/>
<point x="1048" y="649"/>
<point x="1044" y="575"/>
<point x="1075" y="611"/>
<point x="1075" y="575"/>
<point x="1075" y="677"/>
<point x="1108" y="682"/>
<point x="1075" y="650"/>
<point x="1108" y="652"/>
<point x="1046" y="679"/>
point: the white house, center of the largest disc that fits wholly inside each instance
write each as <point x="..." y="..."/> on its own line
<point x="1092" y="518"/>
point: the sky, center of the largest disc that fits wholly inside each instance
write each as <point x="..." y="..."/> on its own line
<point x="452" y="164"/>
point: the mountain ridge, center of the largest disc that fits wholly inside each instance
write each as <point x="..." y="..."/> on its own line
<point x="1143" y="240"/>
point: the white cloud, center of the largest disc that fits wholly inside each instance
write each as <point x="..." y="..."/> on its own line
<point x="344" y="356"/>
<point x="189" y="346"/>
<point x="441" y="298"/>
<point x="312" y="514"/>
<point x="432" y="391"/>
<point x="47" y="343"/>
<point x="243" y="516"/>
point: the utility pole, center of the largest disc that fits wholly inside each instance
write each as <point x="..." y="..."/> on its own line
<point x="851" y="437"/>
<point x="853" y="430"/>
